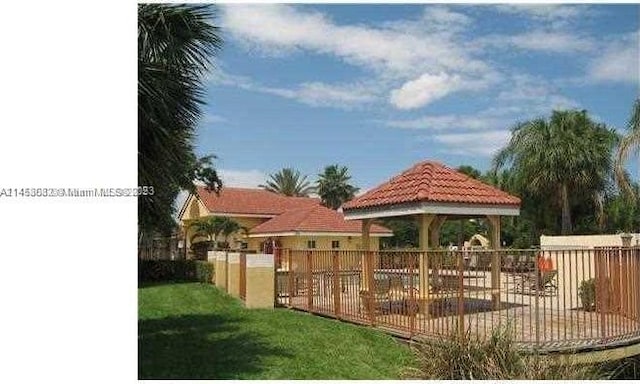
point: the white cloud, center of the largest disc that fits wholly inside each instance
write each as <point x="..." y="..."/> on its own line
<point x="450" y="122"/>
<point x="403" y="54"/>
<point x="244" y="179"/>
<point x="520" y="97"/>
<point x="479" y="144"/>
<point x="557" y="42"/>
<point x="383" y="48"/>
<point x="534" y="95"/>
<point x="557" y="14"/>
<point x="424" y="90"/>
<point x="322" y="94"/>
<point x="619" y="61"/>
<point x="317" y="94"/>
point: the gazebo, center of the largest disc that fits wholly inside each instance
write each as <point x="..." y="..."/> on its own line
<point x="432" y="192"/>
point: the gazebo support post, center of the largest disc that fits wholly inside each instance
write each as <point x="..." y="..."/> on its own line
<point x="424" y="222"/>
<point x="434" y="232"/>
<point x="366" y="258"/>
<point x="495" y="260"/>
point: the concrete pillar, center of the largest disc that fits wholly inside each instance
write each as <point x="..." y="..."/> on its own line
<point x="496" y="260"/>
<point x="233" y="274"/>
<point x="221" y="270"/>
<point x="260" y="281"/>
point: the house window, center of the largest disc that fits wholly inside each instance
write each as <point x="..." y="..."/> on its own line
<point x="311" y="244"/>
<point x="335" y="244"/>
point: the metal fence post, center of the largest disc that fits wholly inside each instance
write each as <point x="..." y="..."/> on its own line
<point x="372" y="288"/>
<point x="309" y="282"/>
<point x="336" y="284"/>
<point x="460" y="296"/>
<point x="537" y="303"/>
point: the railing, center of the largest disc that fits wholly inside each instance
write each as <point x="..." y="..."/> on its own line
<point x="551" y="299"/>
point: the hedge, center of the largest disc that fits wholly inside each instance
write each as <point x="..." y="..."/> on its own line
<point x="175" y="270"/>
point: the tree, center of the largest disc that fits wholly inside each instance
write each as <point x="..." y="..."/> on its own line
<point x="333" y="186"/>
<point x="469" y="171"/>
<point x="288" y="182"/>
<point x="566" y="157"/>
<point x="228" y="227"/>
<point x="175" y="44"/>
<point x="628" y="144"/>
<point x="209" y="227"/>
<point x="405" y="233"/>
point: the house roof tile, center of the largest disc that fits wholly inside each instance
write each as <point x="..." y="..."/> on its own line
<point x="251" y="201"/>
<point x="430" y="181"/>
<point x="314" y="219"/>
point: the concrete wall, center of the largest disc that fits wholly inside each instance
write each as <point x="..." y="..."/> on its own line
<point x="584" y="241"/>
<point x="233" y="274"/>
<point x="221" y="269"/>
<point x="574" y="258"/>
<point x="260" y="281"/>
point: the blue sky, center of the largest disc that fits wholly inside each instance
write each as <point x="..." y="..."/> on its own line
<point x="378" y="88"/>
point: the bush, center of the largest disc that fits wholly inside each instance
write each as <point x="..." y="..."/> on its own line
<point x="497" y="358"/>
<point x="627" y="368"/>
<point x="204" y="271"/>
<point x="174" y="270"/>
<point x="587" y="293"/>
<point x="201" y="248"/>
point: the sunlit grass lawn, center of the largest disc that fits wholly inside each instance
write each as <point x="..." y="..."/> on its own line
<point x="195" y="331"/>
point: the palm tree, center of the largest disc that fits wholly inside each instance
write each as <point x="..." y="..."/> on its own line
<point x="333" y="186"/>
<point x="288" y="182"/>
<point x="228" y="227"/>
<point x="628" y="144"/>
<point x="209" y="227"/>
<point x="567" y="156"/>
<point x="175" y="44"/>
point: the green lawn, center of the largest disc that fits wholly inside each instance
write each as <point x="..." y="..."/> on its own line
<point x="193" y="331"/>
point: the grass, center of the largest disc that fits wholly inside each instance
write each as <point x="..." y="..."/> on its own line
<point x="497" y="357"/>
<point x="193" y="331"/>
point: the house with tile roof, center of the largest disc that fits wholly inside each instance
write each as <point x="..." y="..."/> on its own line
<point x="291" y="222"/>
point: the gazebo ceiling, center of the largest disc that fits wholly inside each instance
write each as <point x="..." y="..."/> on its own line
<point x="431" y="187"/>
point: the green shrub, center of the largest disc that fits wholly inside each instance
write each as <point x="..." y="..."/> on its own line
<point x="627" y="368"/>
<point x="204" y="271"/>
<point x="587" y="293"/>
<point x="496" y="358"/>
<point x="201" y="248"/>
<point x="174" y="270"/>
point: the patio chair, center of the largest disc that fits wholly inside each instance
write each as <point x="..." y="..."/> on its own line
<point x="547" y="281"/>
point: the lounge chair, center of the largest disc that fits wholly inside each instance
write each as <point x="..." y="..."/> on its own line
<point x="544" y="284"/>
<point x="547" y="281"/>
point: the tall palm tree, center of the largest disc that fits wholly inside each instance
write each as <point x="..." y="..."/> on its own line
<point x="175" y="44"/>
<point x="628" y="144"/>
<point x="333" y="186"/>
<point x="567" y="156"/>
<point x="288" y="182"/>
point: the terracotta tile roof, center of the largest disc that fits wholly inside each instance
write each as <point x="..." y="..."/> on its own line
<point x="430" y="181"/>
<point x="251" y="201"/>
<point x="314" y="219"/>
